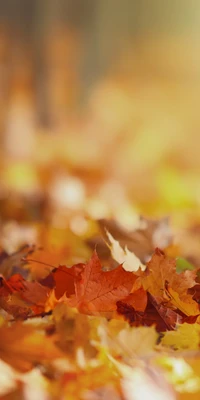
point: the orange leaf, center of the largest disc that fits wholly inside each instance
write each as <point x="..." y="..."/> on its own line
<point x="189" y="307"/>
<point x="137" y="299"/>
<point x="161" y="269"/>
<point x="98" y="291"/>
<point x="64" y="279"/>
<point x="23" y="347"/>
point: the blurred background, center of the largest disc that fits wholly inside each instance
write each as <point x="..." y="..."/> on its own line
<point x="99" y="109"/>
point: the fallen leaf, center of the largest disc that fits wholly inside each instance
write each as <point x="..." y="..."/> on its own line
<point x="98" y="291"/>
<point x="188" y="306"/>
<point x="161" y="269"/>
<point x="22" y="298"/>
<point x="64" y="279"/>
<point x="156" y="314"/>
<point x="129" y="260"/>
<point x="185" y="337"/>
<point x="182" y="265"/>
<point x="15" y="262"/>
<point x="23" y="347"/>
<point x="137" y="299"/>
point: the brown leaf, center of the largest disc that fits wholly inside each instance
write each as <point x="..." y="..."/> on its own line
<point x="14" y="263"/>
<point x="156" y="314"/>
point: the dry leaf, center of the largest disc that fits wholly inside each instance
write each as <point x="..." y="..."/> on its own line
<point x="98" y="291"/>
<point x="129" y="260"/>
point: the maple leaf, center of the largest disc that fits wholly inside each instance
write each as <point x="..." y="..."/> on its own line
<point x="188" y="307"/>
<point x="138" y="299"/>
<point x="97" y="290"/>
<point x="161" y="269"/>
<point x="64" y="279"/>
<point x="22" y="298"/>
<point x="156" y="313"/>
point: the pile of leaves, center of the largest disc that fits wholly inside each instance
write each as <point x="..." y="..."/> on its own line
<point x="123" y="324"/>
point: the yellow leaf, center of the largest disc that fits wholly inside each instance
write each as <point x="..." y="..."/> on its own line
<point x="187" y="336"/>
<point x="188" y="307"/>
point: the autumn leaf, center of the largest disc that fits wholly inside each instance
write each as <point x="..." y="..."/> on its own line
<point x="195" y="292"/>
<point x="156" y="313"/>
<point x="85" y="321"/>
<point x="161" y="269"/>
<point x="182" y="265"/>
<point x="129" y="260"/>
<point x="98" y="291"/>
<point x="138" y="299"/>
<point x="64" y="279"/>
<point x="15" y="262"/>
<point x="188" y="306"/>
<point x="23" y="347"/>
<point x="186" y="337"/>
<point x="22" y="298"/>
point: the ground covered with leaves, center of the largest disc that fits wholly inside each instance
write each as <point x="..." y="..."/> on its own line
<point x="109" y="314"/>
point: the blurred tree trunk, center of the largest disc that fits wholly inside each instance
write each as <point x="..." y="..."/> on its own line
<point x="101" y="29"/>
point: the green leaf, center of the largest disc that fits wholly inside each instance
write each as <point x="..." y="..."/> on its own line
<point x="182" y="265"/>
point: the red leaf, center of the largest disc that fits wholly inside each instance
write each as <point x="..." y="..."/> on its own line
<point x="63" y="279"/>
<point x="22" y="298"/>
<point x="98" y="291"/>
